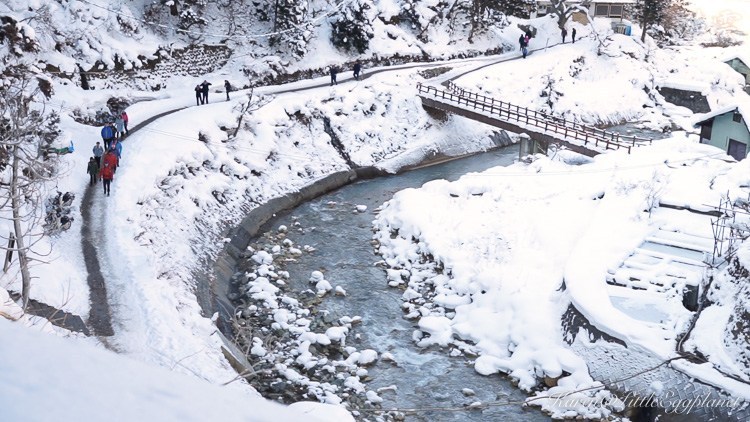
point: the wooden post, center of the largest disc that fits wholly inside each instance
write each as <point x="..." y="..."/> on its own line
<point x="9" y="253"/>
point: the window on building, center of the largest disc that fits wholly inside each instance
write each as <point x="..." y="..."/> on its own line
<point x="601" y="10"/>
<point x="737" y="117"/>
<point x="615" y="11"/>
<point x="706" y="128"/>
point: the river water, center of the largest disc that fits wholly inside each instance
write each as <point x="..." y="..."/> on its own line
<point x="344" y="253"/>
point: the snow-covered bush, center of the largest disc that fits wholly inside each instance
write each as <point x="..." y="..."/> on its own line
<point x="19" y="37"/>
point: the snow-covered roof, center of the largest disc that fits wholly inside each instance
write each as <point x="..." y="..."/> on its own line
<point x="743" y="109"/>
<point x="744" y="58"/>
<point x="684" y="85"/>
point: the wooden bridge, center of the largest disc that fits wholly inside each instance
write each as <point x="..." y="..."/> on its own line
<point x="543" y="128"/>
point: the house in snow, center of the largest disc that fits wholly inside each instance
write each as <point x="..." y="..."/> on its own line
<point x="728" y="129"/>
<point x="742" y="65"/>
<point x="613" y="9"/>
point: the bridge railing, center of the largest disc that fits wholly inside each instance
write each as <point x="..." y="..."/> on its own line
<point x="506" y="111"/>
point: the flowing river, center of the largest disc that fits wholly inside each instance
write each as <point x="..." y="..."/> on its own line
<point x="341" y="236"/>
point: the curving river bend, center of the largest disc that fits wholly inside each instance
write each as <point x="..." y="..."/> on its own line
<point x="341" y="236"/>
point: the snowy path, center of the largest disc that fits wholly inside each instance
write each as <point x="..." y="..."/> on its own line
<point x="100" y="317"/>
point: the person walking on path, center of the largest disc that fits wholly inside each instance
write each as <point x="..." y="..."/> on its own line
<point x="118" y="151"/>
<point x="573" y="35"/>
<point x="204" y="90"/>
<point x="357" y="68"/>
<point x="523" y="42"/>
<point x="124" y="116"/>
<point x="110" y="158"/>
<point x="108" y="134"/>
<point x="98" y="152"/>
<point x="334" y="72"/>
<point x="93" y="171"/>
<point x="107" y="174"/>
<point x="198" y="95"/>
<point x="120" y="126"/>
<point x="564" y="33"/>
<point x="227" y="87"/>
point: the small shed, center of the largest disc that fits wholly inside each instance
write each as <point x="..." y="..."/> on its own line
<point x="727" y="129"/>
<point x="613" y="9"/>
<point x="742" y="65"/>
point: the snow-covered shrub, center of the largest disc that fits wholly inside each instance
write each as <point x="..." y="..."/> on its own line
<point x="19" y="37"/>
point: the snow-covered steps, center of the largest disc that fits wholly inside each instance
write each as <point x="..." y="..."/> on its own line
<point x="670" y="260"/>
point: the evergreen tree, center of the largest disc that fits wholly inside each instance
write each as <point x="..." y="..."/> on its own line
<point x="517" y="8"/>
<point x="650" y="12"/>
<point x="352" y="27"/>
<point x="290" y="25"/>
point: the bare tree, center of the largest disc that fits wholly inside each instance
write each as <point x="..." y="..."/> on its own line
<point x="564" y="11"/>
<point x="247" y="108"/>
<point x="26" y="132"/>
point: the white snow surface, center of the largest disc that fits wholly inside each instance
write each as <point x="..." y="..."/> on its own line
<point x="68" y="380"/>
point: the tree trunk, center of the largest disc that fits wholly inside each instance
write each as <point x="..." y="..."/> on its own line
<point x="275" y="14"/>
<point x="645" y="27"/>
<point x="16" y="205"/>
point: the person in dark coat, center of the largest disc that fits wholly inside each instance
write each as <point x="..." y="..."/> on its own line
<point x="334" y="72"/>
<point x="198" y="95"/>
<point x="107" y="174"/>
<point x="93" y="171"/>
<point x="98" y="152"/>
<point x="573" y="35"/>
<point x="564" y="33"/>
<point x="523" y="42"/>
<point x="227" y="88"/>
<point x="357" y="68"/>
<point x="204" y="91"/>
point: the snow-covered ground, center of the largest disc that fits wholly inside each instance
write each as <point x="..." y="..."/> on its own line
<point x="501" y="242"/>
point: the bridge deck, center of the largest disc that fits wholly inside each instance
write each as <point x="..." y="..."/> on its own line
<point x="583" y="139"/>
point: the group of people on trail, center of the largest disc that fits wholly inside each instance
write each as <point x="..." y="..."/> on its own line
<point x="115" y="130"/>
<point x="356" y="69"/>
<point x="107" y="157"/>
<point x="103" y="167"/>
<point x="523" y="40"/>
<point x="201" y="92"/>
<point x="564" y="33"/>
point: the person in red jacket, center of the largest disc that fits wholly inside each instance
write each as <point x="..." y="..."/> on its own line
<point x="107" y="174"/>
<point x="111" y="158"/>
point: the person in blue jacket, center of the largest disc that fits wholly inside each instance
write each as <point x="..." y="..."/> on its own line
<point x="108" y="135"/>
<point x="118" y="150"/>
<point x="98" y="151"/>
